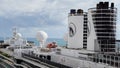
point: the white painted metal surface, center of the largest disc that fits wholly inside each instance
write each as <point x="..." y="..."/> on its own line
<point x="91" y="35"/>
<point x="75" y="39"/>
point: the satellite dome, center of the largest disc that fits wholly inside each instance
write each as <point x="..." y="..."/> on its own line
<point x="41" y="36"/>
<point x="18" y="35"/>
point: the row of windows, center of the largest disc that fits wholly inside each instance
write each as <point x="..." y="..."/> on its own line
<point x="85" y="28"/>
<point x="111" y="60"/>
<point x="105" y="26"/>
<point x="107" y="60"/>
<point x="85" y="47"/>
<point x="85" y="25"/>
<point x="85" y="22"/>
<point x="103" y="15"/>
<point x="108" y="25"/>
<point x="101" y="34"/>
<point x="105" y="30"/>
<point x="85" y="15"/>
<point x="84" y="40"/>
<point x="104" y="19"/>
<point x="105" y="38"/>
<point x="109" y="22"/>
<point x="108" y="50"/>
<point x="107" y="46"/>
<point x="108" y="11"/>
<point x="102" y="12"/>
<point x="107" y="41"/>
<point x="84" y="34"/>
<point x="94" y="9"/>
<point x="110" y="56"/>
<point x="105" y="22"/>
<point x="85" y="18"/>
<point x="84" y="43"/>
<point x="85" y="31"/>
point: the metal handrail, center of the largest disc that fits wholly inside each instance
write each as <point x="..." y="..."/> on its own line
<point x="13" y="62"/>
<point x="39" y="61"/>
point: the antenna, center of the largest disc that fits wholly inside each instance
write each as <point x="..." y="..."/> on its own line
<point x="14" y="31"/>
<point x="41" y="37"/>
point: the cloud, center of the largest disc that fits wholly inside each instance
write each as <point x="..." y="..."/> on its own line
<point x="52" y="32"/>
<point x="33" y="15"/>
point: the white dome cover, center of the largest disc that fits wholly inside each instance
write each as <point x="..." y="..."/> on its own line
<point x="41" y="36"/>
<point x="18" y="35"/>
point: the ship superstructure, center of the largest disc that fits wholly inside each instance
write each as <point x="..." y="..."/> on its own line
<point x="77" y="21"/>
<point x="17" y="41"/>
<point x="91" y="41"/>
<point x="102" y="27"/>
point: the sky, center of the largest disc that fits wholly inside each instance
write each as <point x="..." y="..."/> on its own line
<point x="51" y="16"/>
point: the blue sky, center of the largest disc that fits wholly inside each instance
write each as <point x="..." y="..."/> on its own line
<point x="30" y="16"/>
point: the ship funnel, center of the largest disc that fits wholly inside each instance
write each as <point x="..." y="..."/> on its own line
<point x="112" y="5"/>
<point x="72" y="11"/>
<point x="79" y="11"/>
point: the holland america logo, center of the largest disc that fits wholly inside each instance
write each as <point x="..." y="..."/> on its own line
<point x="72" y="29"/>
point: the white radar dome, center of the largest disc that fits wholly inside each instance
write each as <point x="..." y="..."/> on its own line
<point x="41" y="36"/>
<point x="18" y="35"/>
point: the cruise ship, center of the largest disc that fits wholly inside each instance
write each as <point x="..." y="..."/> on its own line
<point x="91" y="41"/>
<point x="16" y="40"/>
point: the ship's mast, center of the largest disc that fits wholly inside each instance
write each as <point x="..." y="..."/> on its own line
<point x="14" y="32"/>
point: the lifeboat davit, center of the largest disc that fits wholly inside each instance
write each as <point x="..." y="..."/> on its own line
<point x="52" y="45"/>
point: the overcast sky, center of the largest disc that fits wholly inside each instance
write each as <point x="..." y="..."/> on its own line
<point x="29" y="16"/>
